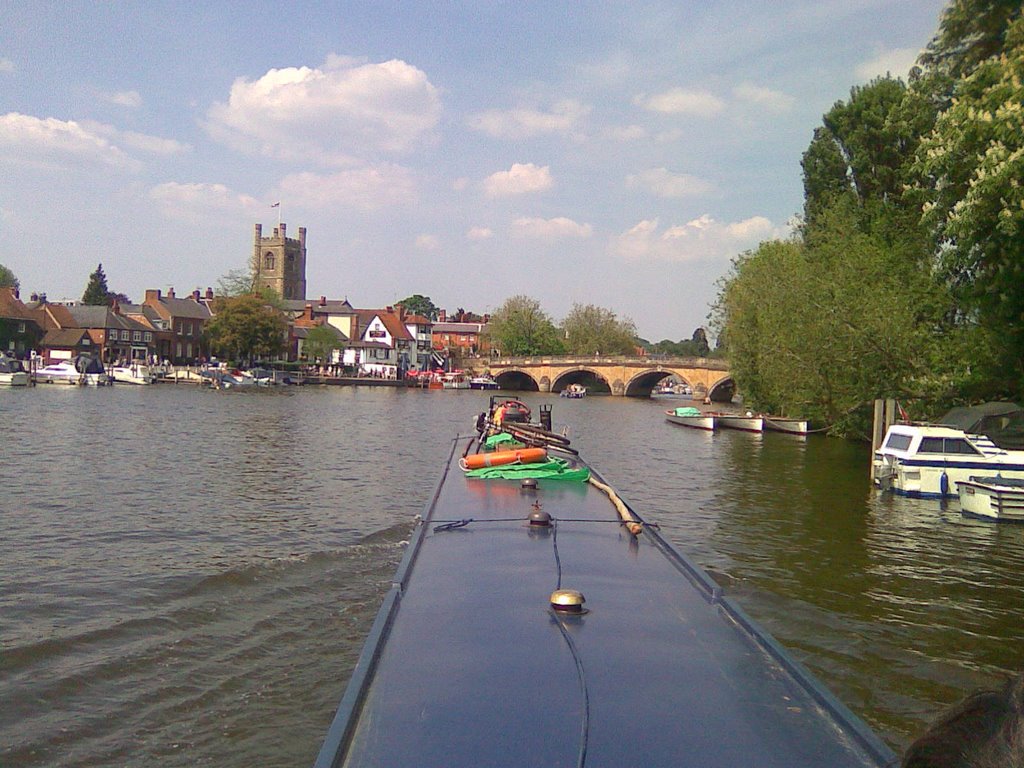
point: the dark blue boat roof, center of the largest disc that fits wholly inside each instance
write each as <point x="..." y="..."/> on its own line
<point x="468" y="666"/>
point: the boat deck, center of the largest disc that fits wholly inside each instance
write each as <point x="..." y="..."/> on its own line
<point x="468" y="666"/>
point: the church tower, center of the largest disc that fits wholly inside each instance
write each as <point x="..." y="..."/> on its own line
<point x="279" y="262"/>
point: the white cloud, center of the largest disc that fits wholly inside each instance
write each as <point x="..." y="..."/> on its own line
<point x="60" y="143"/>
<point x="896" y="62"/>
<point x="196" y="201"/>
<point x="550" y="229"/>
<point x="773" y="101"/>
<point x="155" y="145"/>
<point x="342" y="111"/>
<point x="664" y="183"/>
<point x="479" y="233"/>
<point x="460" y="184"/>
<point x="520" y="179"/>
<point x="428" y="243"/>
<point x="625" y="133"/>
<point x="526" y="122"/>
<point x="702" y="238"/>
<point x="123" y="98"/>
<point x="680" y="101"/>
<point x="370" y="188"/>
<point x="6" y="65"/>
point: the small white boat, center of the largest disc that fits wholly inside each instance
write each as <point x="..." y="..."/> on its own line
<point x="742" y="422"/>
<point x="992" y="498"/>
<point x="574" y="391"/>
<point x="929" y="459"/>
<point x="455" y="380"/>
<point x="80" y="370"/>
<point x="131" y="374"/>
<point x="12" y="372"/>
<point x="691" y="417"/>
<point x="789" y="426"/>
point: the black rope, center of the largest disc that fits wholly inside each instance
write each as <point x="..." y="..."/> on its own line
<point x="558" y="560"/>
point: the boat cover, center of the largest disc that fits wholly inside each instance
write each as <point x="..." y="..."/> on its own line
<point x="467" y="665"/>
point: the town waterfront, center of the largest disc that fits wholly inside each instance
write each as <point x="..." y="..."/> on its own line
<point x="188" y="575"/>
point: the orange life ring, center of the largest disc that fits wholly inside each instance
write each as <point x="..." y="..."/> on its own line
<point x="499" y="458"/>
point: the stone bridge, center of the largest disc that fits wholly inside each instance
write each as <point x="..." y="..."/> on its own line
<point x="622" y="376"/>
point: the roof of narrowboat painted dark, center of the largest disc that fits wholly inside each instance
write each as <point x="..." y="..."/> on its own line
<point x="467" y="665"/>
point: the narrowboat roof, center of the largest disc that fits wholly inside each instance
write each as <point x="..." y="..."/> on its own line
<point x="468" y="665"/>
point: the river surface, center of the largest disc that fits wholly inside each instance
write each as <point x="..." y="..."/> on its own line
<point x="187" y="576"/>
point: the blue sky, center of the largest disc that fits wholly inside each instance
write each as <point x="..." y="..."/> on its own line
<point x="617" y="154"/>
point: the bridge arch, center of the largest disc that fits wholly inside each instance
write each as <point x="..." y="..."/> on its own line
<point x="644" y="382"/>
<point x="723" y="390"/>
<point x="581" y="374"/>
<point x="517" y="379"/>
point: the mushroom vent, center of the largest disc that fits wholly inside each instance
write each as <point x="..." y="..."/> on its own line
<point x="567" y="601"/>
<point x="539" y="518"/>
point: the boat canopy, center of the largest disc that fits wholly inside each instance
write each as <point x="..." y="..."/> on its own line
<point x="1001" y="422"/>
<point x="10" y="364"/>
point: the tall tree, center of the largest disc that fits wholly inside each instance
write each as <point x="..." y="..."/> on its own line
<point x="320" y="343"/>
<point x="417" y="304"/>
<point x="96" y="292"/>
<point x="974" y="161"/>
<point x="235" y="282"/>
<point x="246" y="327"/>
<point x="7" y="278"/>
<point x="521" y="327"/>
<point x="588" y="329"/>
<point x="970" y="32"/>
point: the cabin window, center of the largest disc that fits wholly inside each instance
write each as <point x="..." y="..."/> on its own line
<point x="898" y="442"/>
<point x="947" y="445"/>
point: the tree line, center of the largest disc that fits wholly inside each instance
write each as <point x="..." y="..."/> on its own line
<point x="905" y="276"/>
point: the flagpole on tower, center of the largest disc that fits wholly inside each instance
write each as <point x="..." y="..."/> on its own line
<point x="278" y="206"/>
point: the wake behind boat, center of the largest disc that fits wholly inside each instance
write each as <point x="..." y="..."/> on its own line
<point x="537" y="619"/>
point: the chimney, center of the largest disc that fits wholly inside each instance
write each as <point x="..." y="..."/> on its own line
<point x="115" y="307"/>
<point x="284" y="228"/>
<point x="442" y="316"/>
<point x="170" y="293"/>
<point x="209" y="294"/>
<point x="308" y="314"/>
<point x="390" y="309"/>
<point x="195" y="295"/>
<point x="152" y="294"/>
<point x="323" y="301"/>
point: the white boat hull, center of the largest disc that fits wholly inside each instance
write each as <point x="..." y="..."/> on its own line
<point x="14" y="379"/>
<point x="131" y="375"/>
<point x="742" y="423"/>
<point x="706" y="423"/>
<point x="989" y="499"/>
<point x="789" y="426"/>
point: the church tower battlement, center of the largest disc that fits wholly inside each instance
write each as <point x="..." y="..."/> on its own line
<point x="279" y="262"/>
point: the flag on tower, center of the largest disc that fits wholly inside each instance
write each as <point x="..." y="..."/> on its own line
<point x="276" y="205"/>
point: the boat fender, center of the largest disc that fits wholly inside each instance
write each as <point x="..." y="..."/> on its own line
<point x="944" y="484"/>
<point x="500" y="458"/>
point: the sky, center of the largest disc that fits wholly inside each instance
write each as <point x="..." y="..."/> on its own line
<point x="619" y="154"/>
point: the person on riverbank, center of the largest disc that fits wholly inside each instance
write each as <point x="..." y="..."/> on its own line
<point x="985" y="730"/>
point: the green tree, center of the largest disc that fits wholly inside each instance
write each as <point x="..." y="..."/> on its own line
<point x="247" y="328"/>
<point x="521" y="327"/>
<point x="418" y="304"/>
<point x="7" y="278"/>
<point x="96" y="292"/>
<point x="823" y="328"/>
<point x="588" y="329"/>
<point x="973" y="161"/>
<point x="970" y="32"/>
<point x="320" y="343"/>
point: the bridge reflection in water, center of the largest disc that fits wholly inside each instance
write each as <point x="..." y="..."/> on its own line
<point x="620" y="376"/>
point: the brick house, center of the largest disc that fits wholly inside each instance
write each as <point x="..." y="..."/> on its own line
<point x="20" y="327"/>
<point x="181" y="320"/>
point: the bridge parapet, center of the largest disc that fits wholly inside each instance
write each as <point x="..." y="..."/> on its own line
<point x="624" y="375"/>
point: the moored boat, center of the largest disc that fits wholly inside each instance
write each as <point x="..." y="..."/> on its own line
<point x="12" y="372"/>
<point x="690" y="417"/>
<point x="82" y="369"/>
<point x="575" y="391"/>
<point x="782" y="424"/>
<point x="131" y="374"/>
<point x="742" y="422"/>
<point x="454" y="380"/>
<point x="537" y="619"/>
<point x="930" y="459"/>
<point x="483" y="382"/>
<point x="992" y="498"/>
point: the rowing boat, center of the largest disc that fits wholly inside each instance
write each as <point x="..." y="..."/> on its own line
<point x="538" y="619"/>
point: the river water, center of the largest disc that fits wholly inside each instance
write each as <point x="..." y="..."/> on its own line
<point x="187" y="576"/>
